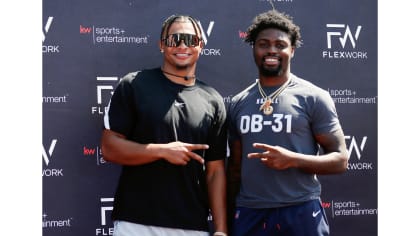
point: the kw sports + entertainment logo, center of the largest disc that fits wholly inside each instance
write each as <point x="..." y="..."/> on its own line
<point x="343" y="35"/>
<point x="94" y="152"/>
<point x="47" y="156"/>
<point x="112" y="35"/>
<point x="351" y="208"/>
<point x="48" y="48"/>
<point x="349" y="96"/>
<point x="56" y="223"/>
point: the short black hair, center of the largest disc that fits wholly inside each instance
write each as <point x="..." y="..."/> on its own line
<point x="173" y="18"/>
<point x="274" y="19"/>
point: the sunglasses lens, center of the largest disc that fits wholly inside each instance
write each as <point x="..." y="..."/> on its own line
<point x="190" y="40"/>
<point x="174" y="40"/>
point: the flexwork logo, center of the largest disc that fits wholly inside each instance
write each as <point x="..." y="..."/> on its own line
<point x="106" y="227"/>
<point x="112" y="35"/>
<point x="104" y="89"/>
<point x="356" y="147"/>
<point x="48" y="157"/>
<point x="48" y="48"/>
<point x="342" y="42"/>
<point x="206" y="34"/>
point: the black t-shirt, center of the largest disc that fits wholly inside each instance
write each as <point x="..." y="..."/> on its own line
<point x="147" y="107"/>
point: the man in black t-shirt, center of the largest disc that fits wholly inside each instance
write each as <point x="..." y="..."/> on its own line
<point x="167" y="130"/>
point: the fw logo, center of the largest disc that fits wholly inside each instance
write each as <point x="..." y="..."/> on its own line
<point x="104" y="90"/>
<point x="104" y="230"/>
<point x="358" y="148"/>
<point x="47" y="155"/>
<point x="208" y="32"/>
<point x="106" y="209"/>
<point x="45" y="30"/>
<point x="100" y="88"/>
<point x="343" y="36"/>
<point x="46" y="27"/>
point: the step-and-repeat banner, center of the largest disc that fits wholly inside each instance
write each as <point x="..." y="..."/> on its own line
<point x="89" y="45"/>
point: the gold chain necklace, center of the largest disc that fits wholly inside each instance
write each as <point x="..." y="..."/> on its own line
<point x="266" y="107"/>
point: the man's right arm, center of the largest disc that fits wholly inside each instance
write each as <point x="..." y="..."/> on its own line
<point x="118" y="149"/>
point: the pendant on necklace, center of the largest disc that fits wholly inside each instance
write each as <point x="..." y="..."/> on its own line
<point x="268" y="110"/>
<point x="266" y="107"/>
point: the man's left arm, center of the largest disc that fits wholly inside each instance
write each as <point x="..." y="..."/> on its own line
<point x="335" y="157"/>
<point x="216" y="184"/>
<point x="333" y="160"/>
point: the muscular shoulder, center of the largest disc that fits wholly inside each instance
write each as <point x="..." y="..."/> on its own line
<point x="135" y="75"/>
<point x="211" y="91"/>
<point x="305" y="84"/>
<point x="243" y="94"/>
<point x="309" y="90"/>
<point x="130" y="76"/>
<point x="137" y="79"/>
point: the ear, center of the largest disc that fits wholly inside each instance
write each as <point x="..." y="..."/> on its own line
<point x="161" y="46"/>
<point x="292" y="52"/>
<point x="202" y="44"/>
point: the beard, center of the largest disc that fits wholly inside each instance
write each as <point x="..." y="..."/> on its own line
<point x="269" y="72"/>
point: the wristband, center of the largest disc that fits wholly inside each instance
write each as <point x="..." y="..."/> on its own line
<point x="218" y="233"/>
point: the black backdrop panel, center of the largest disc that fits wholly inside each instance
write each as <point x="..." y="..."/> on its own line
<point x="89" y="45"/>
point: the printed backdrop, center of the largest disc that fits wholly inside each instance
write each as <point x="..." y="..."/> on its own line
<point x="89" y="45"/>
